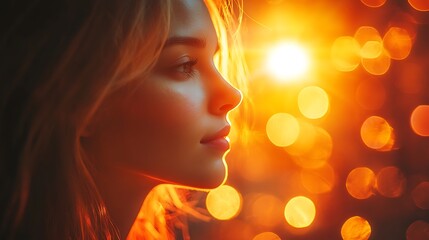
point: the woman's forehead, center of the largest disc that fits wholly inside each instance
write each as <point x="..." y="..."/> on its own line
<point x="191" y="18"/>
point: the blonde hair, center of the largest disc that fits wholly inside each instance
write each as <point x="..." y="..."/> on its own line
<point x="56" y="69"/>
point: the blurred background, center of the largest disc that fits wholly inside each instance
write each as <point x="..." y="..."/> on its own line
<point x="338" y="146"/>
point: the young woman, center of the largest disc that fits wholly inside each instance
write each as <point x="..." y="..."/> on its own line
<point x="101" y="101"/>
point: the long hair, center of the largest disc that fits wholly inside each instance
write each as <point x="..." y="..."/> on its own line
<point x="59" y="60"/>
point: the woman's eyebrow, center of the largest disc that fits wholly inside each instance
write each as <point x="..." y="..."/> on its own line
<point x="190" y="41"/>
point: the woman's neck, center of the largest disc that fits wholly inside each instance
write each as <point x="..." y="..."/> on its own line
<point x="123" y="192"/>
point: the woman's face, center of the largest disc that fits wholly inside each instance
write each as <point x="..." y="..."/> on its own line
<point x="171" y="125"/>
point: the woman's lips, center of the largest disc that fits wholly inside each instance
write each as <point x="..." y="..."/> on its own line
<point x="218" y="140"/>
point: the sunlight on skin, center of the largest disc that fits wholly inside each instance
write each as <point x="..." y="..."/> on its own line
<point x="288" y="61"/>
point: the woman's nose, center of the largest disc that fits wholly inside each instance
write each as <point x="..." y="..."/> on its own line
<point x="224" y="97"/>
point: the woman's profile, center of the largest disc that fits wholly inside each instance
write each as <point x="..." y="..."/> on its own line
<point x="101" y="101"/>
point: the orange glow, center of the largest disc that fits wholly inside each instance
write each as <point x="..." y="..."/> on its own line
<point x="371" y="95"/>
<point x="345" y="54"/>
<point x="267" y="236"/>
<point x="370" y="41"/>
<point x="377" y="66"/>
<point x="223" y="202"/>
<point x="313" y="102"/>
<point x="373" y="3"/>
<point x="360" y="183"/>
<point x="305" y="141"/>
<point x="420" y="5"/>
<point x="418" y="230"/>
<point x="319" y="180"/>
<point x="377" y="133"/>
<point x="420" y="195"/>
<point x="397" y="42"/>
<point x="265" y="210"/>
<point x="300" y="212"/>
<point x="282" y="129"/>
<point x="356" y="228"/>
<point x="288" y="61"/>
<point x="391" y="182"/>
<point x="319" y="154"/>
<point x="419" y="120"/>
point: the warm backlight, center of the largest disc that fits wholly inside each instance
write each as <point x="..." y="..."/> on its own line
<point x="360" y="183"/>
<point x="345" y="54"/>
<point x="282" y="129"/>
<point x="377" y="133"/>
<point x="420" y="120"/>
<point x="356" y="228"/>
<point x="300" y="212"/>
<point x="420" y="195"/>
<point x="313" y="102"/>
<point x="223" y="202"/>
<point x="288" y="61"/>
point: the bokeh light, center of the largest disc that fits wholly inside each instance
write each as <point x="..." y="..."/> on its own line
<point x="419" y="120"/>
<point x="300" y="212"/>
<point x="370" y="42"/>
<point x="391" y="182"/>
<point x="418" y="230"/>
<point x="282" y="129"/>
<point x="374" y="3"/>
<point x="397" y="41"/>
<point x="345" y="54"/>
<point x="223" y="202"/>
<point x="420" y="195"/>
<point x="267" y="236"/>
<point x="377" y="133"/>
<point x="360" y="183"/>
<point x="420" y="5"/>
<point x="313" y="102"/>
<point x="378" y="65"/>
<point x="288" y="61"/>
<point x="356" y="228"/>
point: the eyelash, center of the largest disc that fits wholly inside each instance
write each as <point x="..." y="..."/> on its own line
<point x="186" y="68"/>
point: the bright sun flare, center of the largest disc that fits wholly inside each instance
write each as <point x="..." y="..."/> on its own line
<point x="288" y="61"/>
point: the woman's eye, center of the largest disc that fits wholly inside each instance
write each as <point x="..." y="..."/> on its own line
<point x="185" y="69"/>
